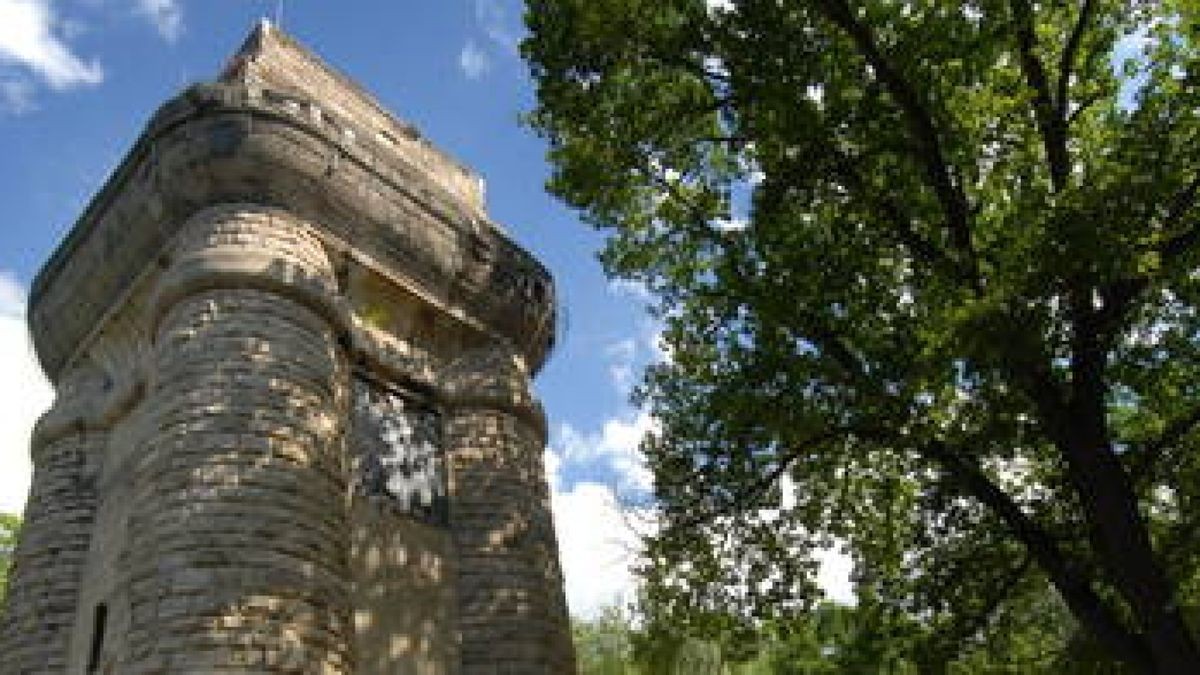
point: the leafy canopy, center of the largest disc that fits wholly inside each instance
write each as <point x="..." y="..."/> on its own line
<point x="927" y="276"/>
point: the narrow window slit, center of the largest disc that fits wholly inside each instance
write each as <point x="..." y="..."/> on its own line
<point x="99" y="619"/>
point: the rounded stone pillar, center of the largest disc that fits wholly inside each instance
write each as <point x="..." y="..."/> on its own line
<point x="512" y="610"/>
<point x="39" y="612"/>
<point x="239" y="533"/>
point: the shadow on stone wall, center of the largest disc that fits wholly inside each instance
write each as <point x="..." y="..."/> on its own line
<point x="404" y="613"/>
<point x="239" y="535"/>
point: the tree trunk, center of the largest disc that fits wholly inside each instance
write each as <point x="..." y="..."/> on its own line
<point x="1122" y="542"/>
<point x="1119" y="534"/>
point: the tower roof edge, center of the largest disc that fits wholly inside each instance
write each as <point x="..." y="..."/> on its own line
<point x="270" y="58"/>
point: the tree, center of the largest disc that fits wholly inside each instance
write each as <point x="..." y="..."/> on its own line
<point x="604" y="644"/>
<point x="611" y="644"/>
<point x="927" y="272"/>
<point x="10" y="525"/>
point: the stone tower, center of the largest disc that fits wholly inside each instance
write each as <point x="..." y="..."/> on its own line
<point x="293" y="429"/>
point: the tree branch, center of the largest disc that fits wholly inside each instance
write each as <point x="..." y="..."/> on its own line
<point x="1183" y="202"/>
<point x="1071" y="582"/>
<point x="1050" y="116"/>
<point x="749" y="497"/>
<point x="919" y="247"/>
<point x="1119" y="295"/>
<point x="1066" y="63"/>
<point x="1117" y="528"/>
<point x="929" y="155"/>
<point x="976" y="621"/>
<point x="1144" y="463"/>
<point x="1087" y="102"/>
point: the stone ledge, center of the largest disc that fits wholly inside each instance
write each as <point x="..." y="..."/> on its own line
<point x="227" y="143"/>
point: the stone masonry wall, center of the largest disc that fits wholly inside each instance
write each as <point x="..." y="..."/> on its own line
<point x="239" y="536"/>
<point x="198" y="503"/>
<point x="513" y="612"/>
<point x="36" y="630"/>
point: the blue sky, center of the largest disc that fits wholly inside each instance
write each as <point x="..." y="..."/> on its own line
<point x="79" y="78"/>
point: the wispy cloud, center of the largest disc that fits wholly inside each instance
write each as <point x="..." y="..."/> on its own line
<point x="498" y="24"/>
<point x="621" y="356"/>
<point x="599" y="536"/>
<point x="165" y="15"/>
<point x="28" y="42"/>
<point x="635" y="290"/>
<point x="473" y="61"/>
<point x="16" y="96"/>
<point x="614" y="450"/>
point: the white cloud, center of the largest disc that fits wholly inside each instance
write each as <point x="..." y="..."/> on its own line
<point x="12" y="296"/>
<point x="598" y="539"/>
<point x="496" y="24"/>
<point x="552" y="463"/>
<point x="622" y="350"/>
<point x="622" y="376"/>
<point x="656" y="345"/>
<point x="473" y="61"/>
<point x="615" y="445"/>
<point x="629" y="356"/>
<point x="24" y="395"/>
<point x="620" y="367"/>
<point x="598" y="547"/>
<point x="28" y="40"/>
<point x="628" y="288"/>
<point x="165" y="15"/>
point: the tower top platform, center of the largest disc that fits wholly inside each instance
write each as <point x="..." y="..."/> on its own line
<point x="280" y="128"/>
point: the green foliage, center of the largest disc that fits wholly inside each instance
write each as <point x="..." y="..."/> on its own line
<point x="10" y="526"/>
<point x="1037" y="639"/>
<point x="957" y="334"/>
<point x="829" y="639"/>
<point x="822" y="643"/>
<point x="604" y="645"/>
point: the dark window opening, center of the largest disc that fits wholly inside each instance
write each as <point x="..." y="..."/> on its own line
<point x="397" y="451"/>
<point x="99" y="619"/>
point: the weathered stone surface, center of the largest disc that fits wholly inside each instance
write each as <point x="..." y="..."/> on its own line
<point x="252" y="140"/>
<point x="44" y="584"/>
<point x="293" y="430"/>
<point x="511" y="602"/>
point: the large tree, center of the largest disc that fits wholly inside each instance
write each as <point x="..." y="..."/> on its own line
<point x="930" y="265"/>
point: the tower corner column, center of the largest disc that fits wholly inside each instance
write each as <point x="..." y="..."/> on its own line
<point x="239" y="529"/>
<point x="512" y="608"/>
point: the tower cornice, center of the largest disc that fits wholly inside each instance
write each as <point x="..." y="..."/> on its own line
<point x="380" y="196"/>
